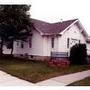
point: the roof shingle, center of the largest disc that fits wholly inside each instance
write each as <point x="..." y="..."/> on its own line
<point x="51" y="28"/>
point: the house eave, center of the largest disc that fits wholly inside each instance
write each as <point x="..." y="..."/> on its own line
<point x="83" y="31"/>
<point x="46" y="34"/>
<point x="68" y="27"/>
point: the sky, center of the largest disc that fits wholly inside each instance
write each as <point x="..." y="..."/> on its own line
<point x="57" y="10"/>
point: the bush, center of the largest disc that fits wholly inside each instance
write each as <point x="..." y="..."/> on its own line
<point x="78" y="54"/>
<point x="88" y="59"/>
<point x="6" y="56"/>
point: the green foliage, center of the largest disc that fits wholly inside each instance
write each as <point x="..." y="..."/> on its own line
<point x="78" y="54"/>
<point x="14" y="22"/>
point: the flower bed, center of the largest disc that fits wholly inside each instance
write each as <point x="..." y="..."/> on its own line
<point x="59" y="63"/>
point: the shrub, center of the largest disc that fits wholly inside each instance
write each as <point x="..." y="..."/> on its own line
<point x="78" y="54"/>
<point x="6" y="56"/>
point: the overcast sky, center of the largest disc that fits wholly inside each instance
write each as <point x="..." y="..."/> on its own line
<point x="55" y="10"/>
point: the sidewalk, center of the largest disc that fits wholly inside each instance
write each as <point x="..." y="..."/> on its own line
<point x="8" y="80"/>
<point x="65" y="80"/>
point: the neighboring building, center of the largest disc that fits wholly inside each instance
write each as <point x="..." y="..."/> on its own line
<point x="50" y="39"/>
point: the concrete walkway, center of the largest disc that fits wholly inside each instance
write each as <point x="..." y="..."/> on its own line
<point x="65" y="80"/>
<point x="8" y="80"/>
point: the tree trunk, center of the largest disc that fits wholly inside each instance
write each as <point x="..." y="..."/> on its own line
<point x="1" y="47"/>
<point x="12" y="48"/>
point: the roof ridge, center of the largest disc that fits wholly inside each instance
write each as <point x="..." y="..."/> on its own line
<point x="65" y="21"/>
<point x="50" y="28"/>
<point x="40" y="20"/>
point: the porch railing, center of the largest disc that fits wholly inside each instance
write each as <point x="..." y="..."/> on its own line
<point x="59" y="54"/>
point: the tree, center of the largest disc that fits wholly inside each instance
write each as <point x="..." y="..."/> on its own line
<point x="14" y="23"/>
<point x="78" y="54"/>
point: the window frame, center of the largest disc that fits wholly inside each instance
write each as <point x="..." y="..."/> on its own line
<point x="17" y="43"/>
<point x="9" y="45"/>
<point x="52" y="42"/>
<point x="30" y="42"/>
<point x="22" y="44"/>
<point x="68" y="40"/>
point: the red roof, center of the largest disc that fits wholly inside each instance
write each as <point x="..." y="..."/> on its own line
<point x="51" y="28"/>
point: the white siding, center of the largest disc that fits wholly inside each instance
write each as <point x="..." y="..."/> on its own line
<point x="88" y="48"/>
<point x="18" y="49"/>
<point x="74" y="33"/>
<point x="47" y="47"/>
<point x="5" y="50"/>
<point x="41" y="45"/>
<point x="37" y="45"/>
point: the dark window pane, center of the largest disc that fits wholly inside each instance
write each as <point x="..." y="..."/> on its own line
<point x="30" y="42"/>
<point x="22" y="45"/>
<point x="17" y="43"/>
<point x="52" y="42"/>
<point x="79" y="41"/>
<point x="9" y="45"/>
<point x="67" y="42"/>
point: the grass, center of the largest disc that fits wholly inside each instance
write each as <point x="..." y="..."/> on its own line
<point x="84" y="82"/>
<point x="35" y="71"/>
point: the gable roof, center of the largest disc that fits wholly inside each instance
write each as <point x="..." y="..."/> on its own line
<point x="88" y="40"/>
<point x="51" y="28"/>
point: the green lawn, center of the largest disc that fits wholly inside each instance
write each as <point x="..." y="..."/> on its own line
<point x="35" y="71"/>
<point x="84" y="82"/>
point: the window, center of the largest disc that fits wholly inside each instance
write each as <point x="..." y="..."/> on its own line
<point x="30" y="42"/>
<point x="67" y="42"/>
<point x="0" y="45"/>
<point x="52" y="42"/>
<point x="79" y="41"/>
<point x="9" y="45"/>
<point x="22" y="45"/>
<point x="17" y="43"/>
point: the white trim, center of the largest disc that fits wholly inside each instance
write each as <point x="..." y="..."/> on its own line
<point x="68" y="27"/>
<point x="83" y="29"/>
<point x="38" y="31"/>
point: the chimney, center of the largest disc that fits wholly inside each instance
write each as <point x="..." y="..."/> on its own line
<point x="61" y="20"/>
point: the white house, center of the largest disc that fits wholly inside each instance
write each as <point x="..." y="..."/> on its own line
<point x="50" y="38"/>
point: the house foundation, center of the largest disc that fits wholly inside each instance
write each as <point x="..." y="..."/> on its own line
<point x="33" y="57"/>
